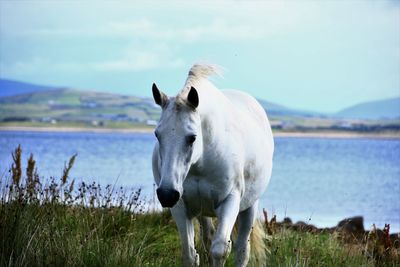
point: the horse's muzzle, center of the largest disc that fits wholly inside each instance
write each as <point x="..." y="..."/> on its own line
<point x="167" y="197"/>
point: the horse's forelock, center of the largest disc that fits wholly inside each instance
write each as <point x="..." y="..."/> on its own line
<point x="181" y="103"/>
<point x="177" y="104"/>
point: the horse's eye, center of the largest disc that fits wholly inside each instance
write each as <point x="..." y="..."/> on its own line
<point x="190" y="139"/>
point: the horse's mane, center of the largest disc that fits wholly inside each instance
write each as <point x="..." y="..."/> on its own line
<point x="204" y="70"/>
<point x="201" y="71"/>
<point x="197" y="73"/>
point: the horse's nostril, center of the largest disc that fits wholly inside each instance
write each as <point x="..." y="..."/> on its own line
<point x="167" y="197"/>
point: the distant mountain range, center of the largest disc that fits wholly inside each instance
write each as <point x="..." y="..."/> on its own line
<point x="37" y="100"/>
<point x="381" y="109"/>
<point x="10" y="88"/>
<point x="277" y="110"/>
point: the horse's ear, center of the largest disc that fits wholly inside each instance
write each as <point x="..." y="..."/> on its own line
<point x="159" y="97"/>
<point x="193" y="97"/>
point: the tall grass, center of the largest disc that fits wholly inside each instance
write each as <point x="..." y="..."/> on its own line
<point x="56" y="222"/>
<point x="52" y="223"/>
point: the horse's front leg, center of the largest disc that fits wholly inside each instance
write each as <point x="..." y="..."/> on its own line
<point x="227" y="212"/>
<point x="246" y="220"/>
<point x="207" y="233"/>
<point x="186" y="233"/>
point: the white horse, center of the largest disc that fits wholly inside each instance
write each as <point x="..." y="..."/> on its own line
<point x="213" y="158"/>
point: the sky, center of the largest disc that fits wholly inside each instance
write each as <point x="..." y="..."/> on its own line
<point x="311" y="55"/>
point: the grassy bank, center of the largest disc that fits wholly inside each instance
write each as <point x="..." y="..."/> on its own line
<point x="56" y="222"/>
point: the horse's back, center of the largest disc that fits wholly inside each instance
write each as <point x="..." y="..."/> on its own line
<point x="257" y="141"/>
<point x="252" y="108"/>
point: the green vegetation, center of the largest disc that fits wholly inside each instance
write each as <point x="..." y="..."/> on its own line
<point x="56" y="222"/>
<point x="60" y="223"/>
<point x="291" y="248"/>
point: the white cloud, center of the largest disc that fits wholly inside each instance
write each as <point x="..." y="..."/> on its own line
<point x="138" y="61"/>
<point x="133" y="58"/>
<point x="138" y="58"/>
<point x="214" y="30"/>
<point x="217" y="30"/>
<point x="226" y="20"/>
<point x="37" y="65"/>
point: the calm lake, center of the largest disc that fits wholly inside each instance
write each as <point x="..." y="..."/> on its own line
<point x="320" y="180"/>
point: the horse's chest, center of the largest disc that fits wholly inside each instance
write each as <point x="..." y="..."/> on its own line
<point x="200" y="197"/>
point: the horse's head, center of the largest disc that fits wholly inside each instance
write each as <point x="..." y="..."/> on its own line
<point x="180" y="142"/>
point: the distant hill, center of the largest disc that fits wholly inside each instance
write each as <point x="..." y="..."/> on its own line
<point x="78" y="105"/>
<point x="15" y="88"/>
<point x="25" y="104"/>
<point x="381" y="109"/>
<point x="274" y="109"/>
<point x="10" y="88"/>
<point x="70" y="105"/>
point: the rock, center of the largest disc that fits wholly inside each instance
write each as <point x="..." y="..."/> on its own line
<point x="287" y="221"/>
<point x="352" y="225"/>
<point x="304" y="227"/>
<point x="395" y="238"/>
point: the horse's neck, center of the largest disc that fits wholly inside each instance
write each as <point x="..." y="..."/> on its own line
<point x="212" y="101"/>
<point x="213" y="109"/>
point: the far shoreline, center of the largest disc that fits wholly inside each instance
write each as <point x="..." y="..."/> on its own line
<point x="144" y="129"/>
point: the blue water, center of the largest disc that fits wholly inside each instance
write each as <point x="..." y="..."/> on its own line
<point x="316" y="180"/>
